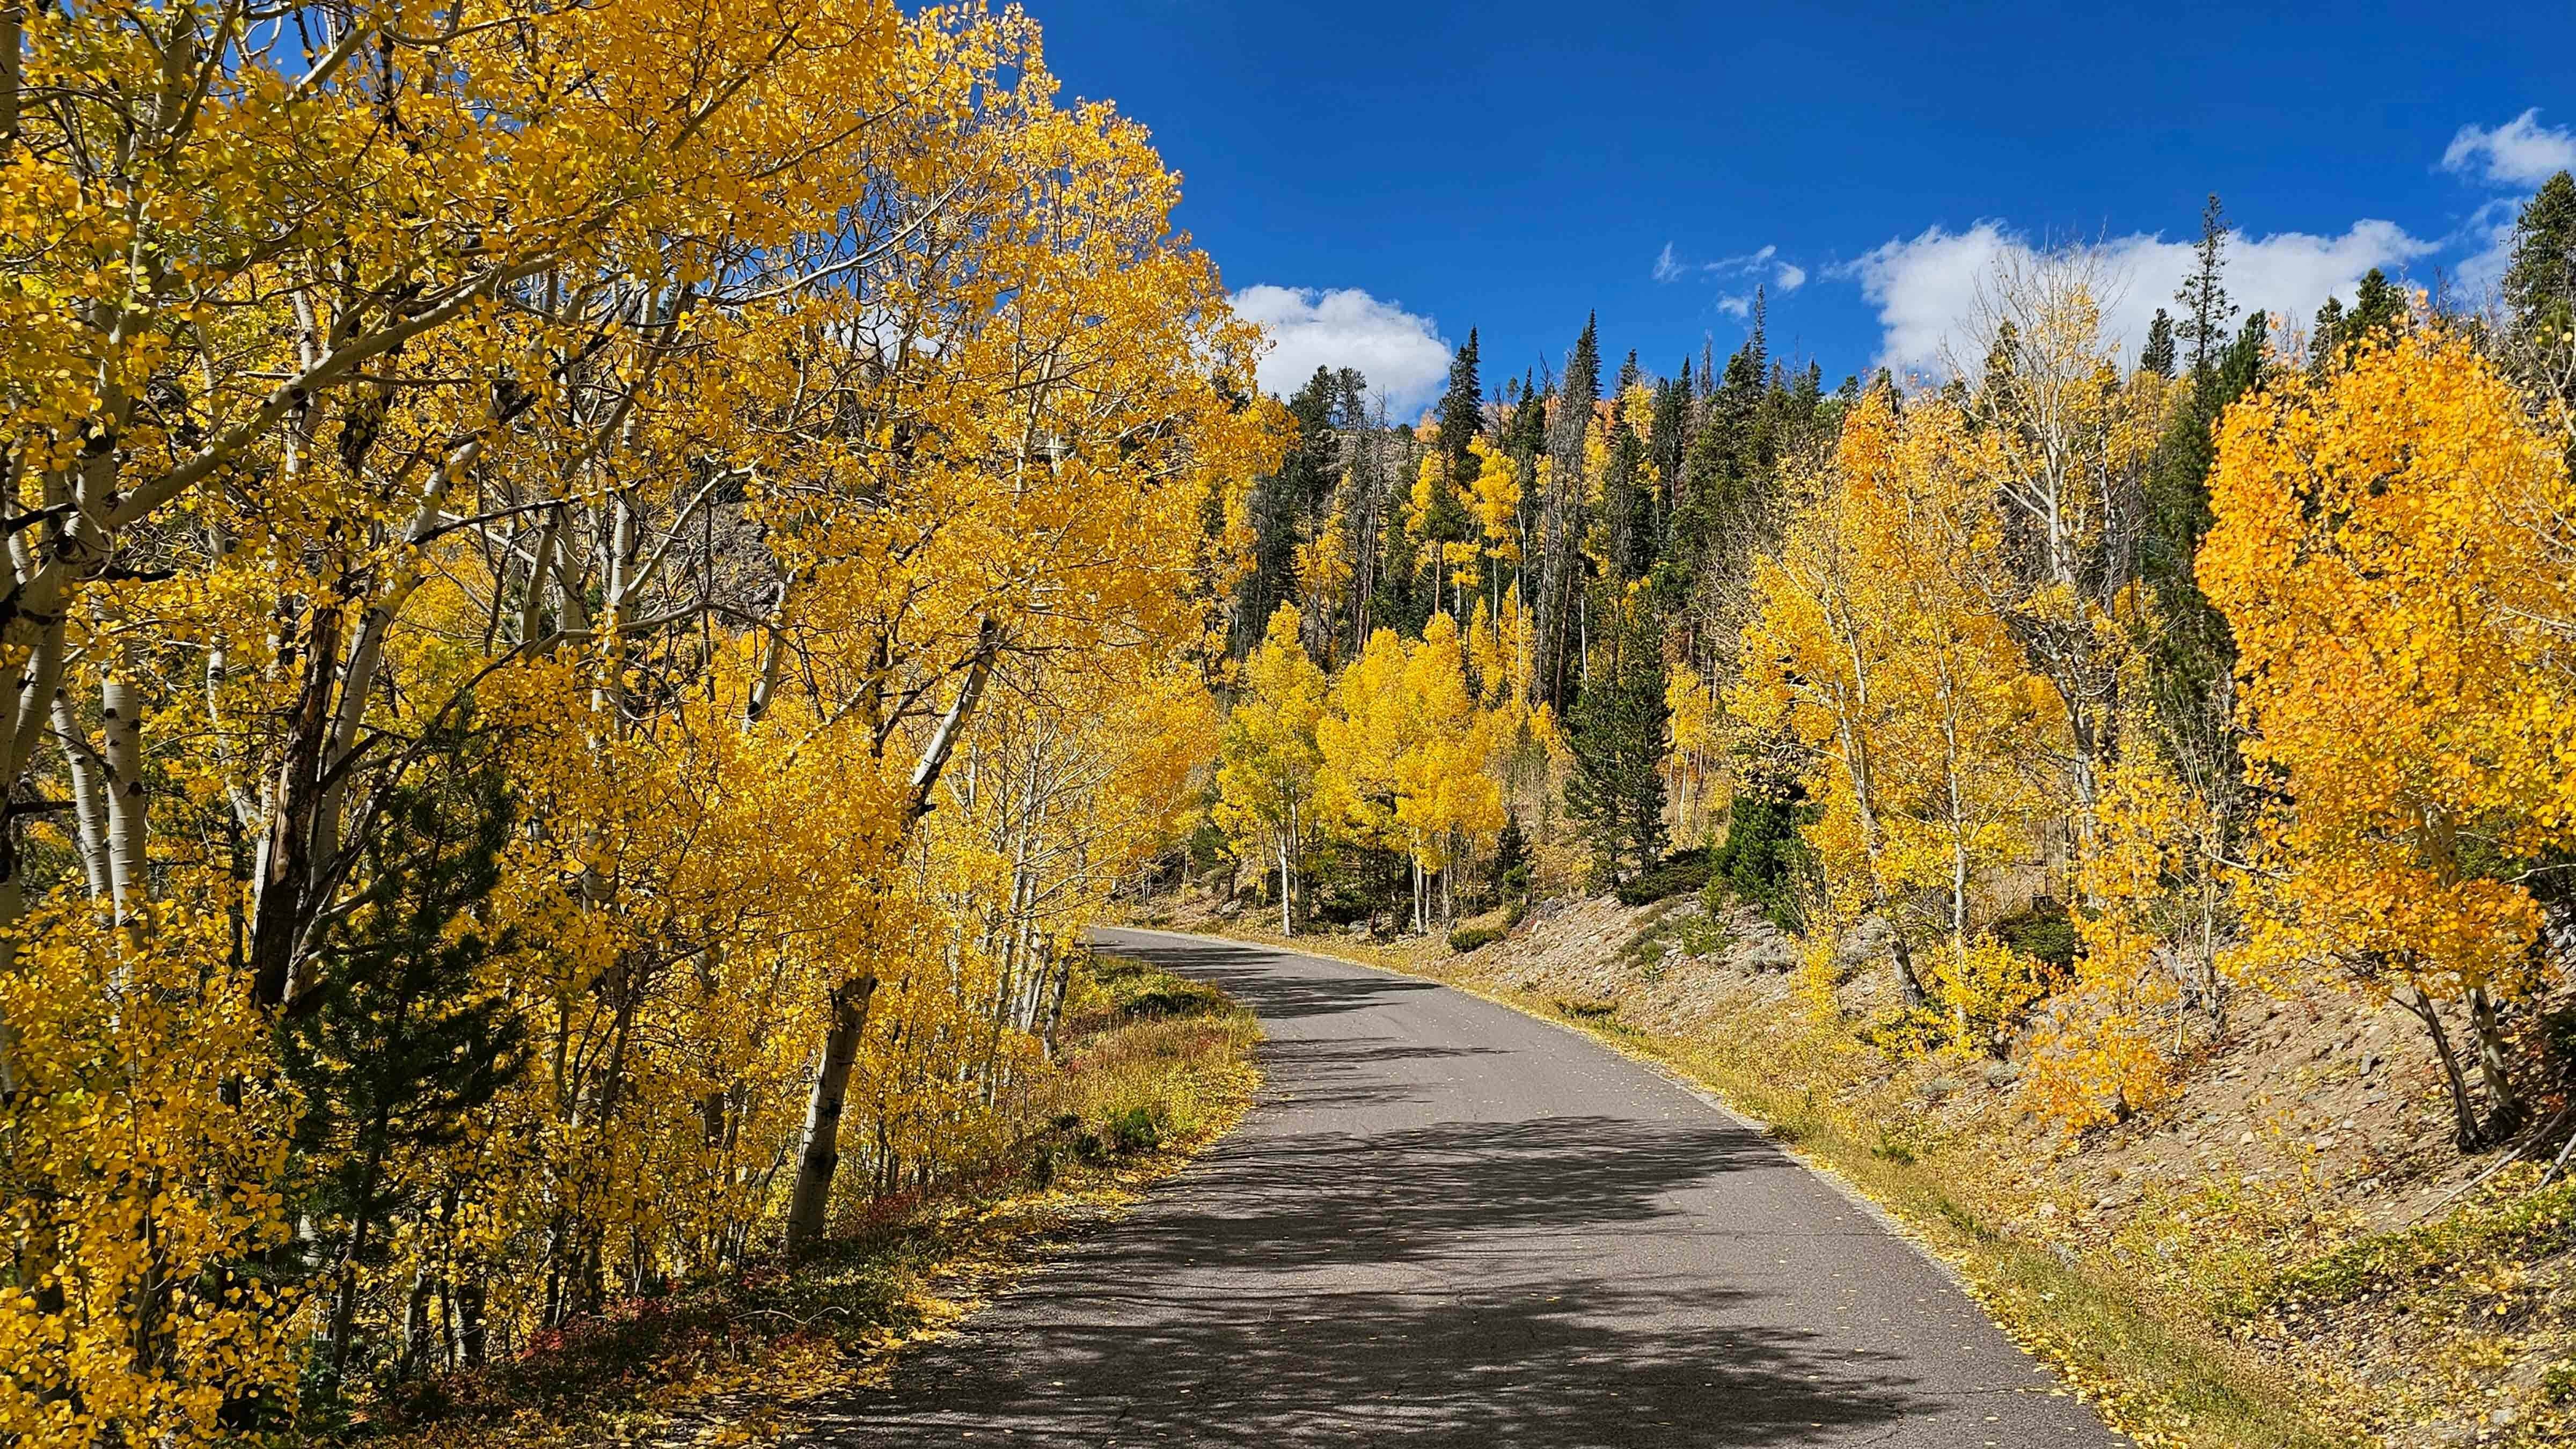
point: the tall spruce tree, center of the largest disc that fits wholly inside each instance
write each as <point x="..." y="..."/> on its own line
<point x="1563" y="524"/>
<point x="1627" y="506"/>
<point x="397" y="1041"/>
<point x="1462" y="414"/>
<point x="2206" y="309"/>
<point x="2378" y="308"/>
<point x="1286" y="508"/>
<point x="2191" y="657"/>
<point x="2540" y="283"/>
<point x="1616" y="733"/>
<point x="2540" y="292"/>
<point x="1724" y="475"/>
<point x="2157" y="356"/>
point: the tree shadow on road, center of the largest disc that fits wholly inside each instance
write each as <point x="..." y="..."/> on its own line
<point x="1327" y="1288"/>
<point x="1549" y="1365"/>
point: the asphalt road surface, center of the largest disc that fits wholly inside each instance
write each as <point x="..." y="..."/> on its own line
<point x="1446" y="1223"/>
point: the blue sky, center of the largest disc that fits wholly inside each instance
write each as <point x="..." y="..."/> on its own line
<point x="1376" y="178"/>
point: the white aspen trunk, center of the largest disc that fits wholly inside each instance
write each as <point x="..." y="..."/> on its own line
<point x="39" y="687"/>
<point x="532" y="604"/>
<point x="814" y="1168"/>
<point x="120" y="708"/>
<point x="357" y="682"/>
<point x="89" y="800"/>
<point x="1958" y="849"/>
<point x="773" y="658"/>
<point x="1287" y="922"/>
<point x="2504" y="1104"/>
<point x="1856" y="764"/>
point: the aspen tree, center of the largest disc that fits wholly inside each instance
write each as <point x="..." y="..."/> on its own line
<point x="1266" y="772"/>
<point x="2387" y="554"/>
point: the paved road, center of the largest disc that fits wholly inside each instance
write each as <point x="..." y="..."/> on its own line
<point x="1449" y="1224"/>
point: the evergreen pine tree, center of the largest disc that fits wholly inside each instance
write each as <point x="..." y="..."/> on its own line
<point x="1628" y="505"/>
<point x="1462" y="414"/>
<point x="1714" y="512"/>
<point x="1668" y="436"/>
<point x="2192" y="657"/>
<point x="2206" y="309"/>
<point x="2325" y="335"/>
<point x="2378" y="305"/>
<point x="396" y="1042"/>
<point x="1525" y="436"/>
<point x="2540" y="291"/>
<point x="2378" y="308"/>
<point x="1286" y="508"/>
<point x="2158" y="355"/>
<point x="2540" y="284"/>
<point x="1509" y="872"/>
<point x="1562" y="521"/>
<point x="1616" y="734"/>
<point x="1580" y="389"/>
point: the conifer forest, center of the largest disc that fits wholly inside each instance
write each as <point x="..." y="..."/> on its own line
<point x="603" y="596"/>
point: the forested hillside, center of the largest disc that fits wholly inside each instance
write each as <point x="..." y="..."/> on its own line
<point x="2109" y="679"/>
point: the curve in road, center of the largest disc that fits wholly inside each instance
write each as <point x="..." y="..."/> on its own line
<point x="1448" y="1223"/>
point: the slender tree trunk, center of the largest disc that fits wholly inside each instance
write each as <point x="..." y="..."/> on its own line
<point x="2464" y="1112"/>
<point x="344" y="1302"/>
<point x="286" y="858"/>
<point x="1055" y="1007"/>
<point x="473" y="1333"/>
<point x="121" y="717"/>
<point x="89" y="799"/>
<point x="812" y="1193"/>
<point x="2504" y="1104"/>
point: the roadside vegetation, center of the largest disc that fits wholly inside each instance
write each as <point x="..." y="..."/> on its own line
<point x="1154" y="1069"/>
<point x="553" y="774"/>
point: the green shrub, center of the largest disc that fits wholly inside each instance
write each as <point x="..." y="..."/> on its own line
<point x="1677" y="874"/>
<point x="1702" y="935"/>
<point x="2044" y="932"/>
<point x="1760" y="861"/>
<point x="1468" y="938"/>
<point x="2558" y="1382"/>
<point x="1136" y="1130"/>
<point x="1184" y="999"/>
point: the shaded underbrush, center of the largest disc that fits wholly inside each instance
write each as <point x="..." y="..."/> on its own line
<point x="1154" y="1067"/>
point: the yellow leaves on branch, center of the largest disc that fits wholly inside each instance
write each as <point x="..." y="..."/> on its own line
<point x="1877" y="646"/>
<point x="2391" y="549"/>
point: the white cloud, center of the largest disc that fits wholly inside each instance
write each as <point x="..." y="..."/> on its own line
<point x="1762" y="265"/>
<point x="2521" y="152"/>
<point x="1402" y="353"/>
<point x="1926" y="288"/>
